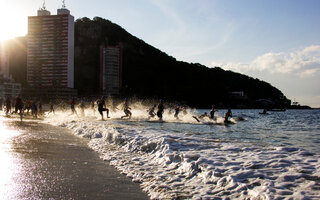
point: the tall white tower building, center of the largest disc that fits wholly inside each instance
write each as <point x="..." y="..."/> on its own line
<point x="50" y="55"/>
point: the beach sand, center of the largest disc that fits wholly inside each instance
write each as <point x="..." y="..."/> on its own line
<point x="47" y="162"/>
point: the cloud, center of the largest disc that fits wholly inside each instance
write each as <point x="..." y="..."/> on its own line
<point x="304" y="63"/>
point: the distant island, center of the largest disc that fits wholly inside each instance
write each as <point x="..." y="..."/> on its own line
<point x="149" y="73"/>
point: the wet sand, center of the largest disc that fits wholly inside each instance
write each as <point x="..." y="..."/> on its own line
<point x="45" y="162"/>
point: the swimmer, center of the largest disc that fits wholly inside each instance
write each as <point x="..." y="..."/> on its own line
<point x="205" y="114"/>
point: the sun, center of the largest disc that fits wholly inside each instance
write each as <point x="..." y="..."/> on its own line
<point x="12" y="23"/>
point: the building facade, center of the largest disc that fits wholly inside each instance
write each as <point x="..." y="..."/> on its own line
<point x="50" y="54"/>
<point x="8" y="86"/>
<point x="111" y="70"/>
<point x="4" y="59"/>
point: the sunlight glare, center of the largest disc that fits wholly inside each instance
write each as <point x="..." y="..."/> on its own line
<point x="12" y="22"/>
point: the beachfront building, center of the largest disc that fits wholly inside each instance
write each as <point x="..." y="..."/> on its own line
<point x="8" y="86"/>
<point x="4" y="59"/>
<point x="50" y="54"/>
<point x="111" y="70"/>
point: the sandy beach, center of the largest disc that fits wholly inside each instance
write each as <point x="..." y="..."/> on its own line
<point x="46" y="162"/>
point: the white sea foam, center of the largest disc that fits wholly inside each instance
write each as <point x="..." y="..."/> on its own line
<point x="177" y="165"/>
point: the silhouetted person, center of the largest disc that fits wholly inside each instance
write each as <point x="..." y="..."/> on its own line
<point x="160" y="109"/>
<point x="102" y="107"/>
<point x="227" y="115"/>
<point x="212" y="111"/>
<point x="34" y="109"/>
<point x="177" y="110"/>
<point x="8" y="105"/>
<point x="205" y="114"/>
<point x="151" y="111"/>
<point x="19" y="106"/>
<point x="73" y="106"/>
<point x="126" y="110"/>
<point x="51" y="107"/>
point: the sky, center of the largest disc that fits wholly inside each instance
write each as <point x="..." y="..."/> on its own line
<point x="277" y="41"/>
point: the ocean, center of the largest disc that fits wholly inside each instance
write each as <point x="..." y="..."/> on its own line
<point x="257" y="156"/>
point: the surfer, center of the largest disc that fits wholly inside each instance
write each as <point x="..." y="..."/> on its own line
<point x="102" y="107"/>
<point x="126" y="110"/>
<point x="160" y="110"/>
<point x="151" y="111"/>
<point x="205" y="114"/>
<point x="227" y="115"/>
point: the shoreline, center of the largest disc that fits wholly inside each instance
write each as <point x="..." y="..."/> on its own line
<point x="51" y="162"/>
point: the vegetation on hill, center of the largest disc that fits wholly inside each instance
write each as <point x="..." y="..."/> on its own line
<point x="151" y="73"/>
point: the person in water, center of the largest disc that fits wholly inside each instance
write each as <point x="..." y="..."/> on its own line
<point x="73" y="104"/>
<point x="177" y="110"/>
<point x="151" y="111"/>
<point x="212" y="111"/>
<point x="205" y="114"/>
<point x="126" y="110"/>
<point x="227" y="115"/>
<point x="102" y="107"/>
<point x="160" y="110"/>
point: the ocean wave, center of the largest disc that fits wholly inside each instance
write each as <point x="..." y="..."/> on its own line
<point x="173" y="165"/>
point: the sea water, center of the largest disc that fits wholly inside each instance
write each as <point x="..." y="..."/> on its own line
<point x="271" y="156"/>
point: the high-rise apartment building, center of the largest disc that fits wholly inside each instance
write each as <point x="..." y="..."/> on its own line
<point x="111" y="70"/>
<point x="50" y="56"/>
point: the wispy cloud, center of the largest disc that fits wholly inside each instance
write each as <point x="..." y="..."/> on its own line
<point x="303" y="63"/>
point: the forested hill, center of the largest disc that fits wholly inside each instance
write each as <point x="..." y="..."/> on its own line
<point x="149" y="72"/>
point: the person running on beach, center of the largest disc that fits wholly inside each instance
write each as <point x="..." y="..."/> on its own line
<point x="19" y="106"/>
<point x="126" y="110"/>
<point x="102" y="107"/>
<point x="34" y="109"/>
<point x="51" y="107"/>
<point x="1" y="103"/>
<point x="8" y="105"/>
<point x="40" y="107"/>
<point x="177" y="110"/>
<point x="227" y="115"/>
<point x="212" y="111"/>
<point x="72" y="104"/>
<point x="151" y="111"/>
<point x="205" y="114"/>
<point x="82" y="107"/>
<point x="160" y="110"/>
